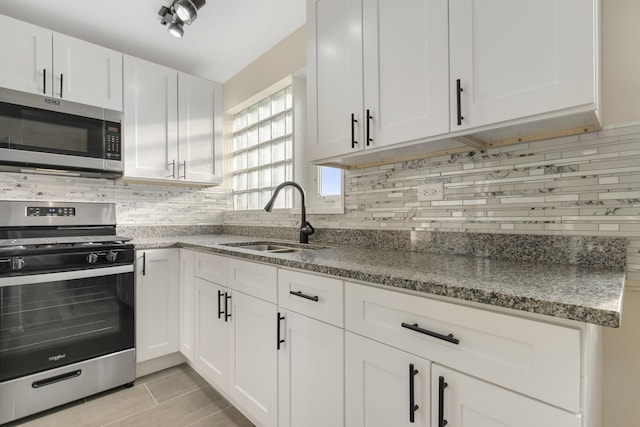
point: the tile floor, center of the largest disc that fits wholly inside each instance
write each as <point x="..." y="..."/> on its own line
<point x="175" y="397"/>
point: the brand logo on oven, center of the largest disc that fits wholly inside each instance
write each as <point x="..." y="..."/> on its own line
<point x="52" y="101"/>
<point x="57" y="357"/>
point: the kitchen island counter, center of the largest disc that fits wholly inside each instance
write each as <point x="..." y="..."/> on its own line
<point x="592" y="295"/>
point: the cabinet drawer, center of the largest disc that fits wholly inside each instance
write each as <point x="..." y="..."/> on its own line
<point x="534" y="358"/>
<point x="314" y="296"/>
<point x="212" y="268"/>
<point x="258" y="280"/>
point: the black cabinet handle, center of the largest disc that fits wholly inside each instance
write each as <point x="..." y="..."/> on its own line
<point x="353" y="130"/>
<point x="441" y="386"/>
<point x="227" y="315"/>
<point x="301" y="295"/>
<point x="220" y="312"/>
<point x="459" y="91"/>
<point x="144" y="263"/>
<point x="412" y="398"/>
<point x="279" y="340"/>
<point x="414" y="327"/>
<point x="61" y="79"/>
<point x="44" y="81"/>
<point x="369" y="118"/>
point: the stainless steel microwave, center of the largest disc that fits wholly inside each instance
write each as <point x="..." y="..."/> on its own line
<point x="51" y="135"/>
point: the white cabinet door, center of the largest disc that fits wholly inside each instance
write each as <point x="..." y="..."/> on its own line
<point x="253" y="357"/>
<point x="86" y="73"/>
<point x="157" y="303"/>
<point x="199" y="129"/>
<point x="334" y="79"/>
<point x="520" y="58"/>
<point x="211" y="332"/>
<point x="406" y="71"/>
<point x="464" y="401"/>
<point x="26" y="57"/>
<point x="187" y="306"/>
<point x="377" y="73"/>
<point x="378" y="385"/>
<point x="150" y="120"/>
<point x="311" y="373"/>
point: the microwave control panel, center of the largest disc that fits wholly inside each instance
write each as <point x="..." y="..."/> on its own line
<point x="113" y="143"/>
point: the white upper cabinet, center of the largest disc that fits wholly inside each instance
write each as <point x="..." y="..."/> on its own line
<point x="405" y="71"/>
<point x="334" y="76"/>
<point x="150" y="120"/>
<point x="436" y="76"/>
<point x="86" y="73"/>
<point x="27" y="55"/>
<point x="172" y="124"/>
<point x="40" y="61"/>
<point x="370" y="84"/>
<point x="520" y="58"/>
<point x="199" y="127"/>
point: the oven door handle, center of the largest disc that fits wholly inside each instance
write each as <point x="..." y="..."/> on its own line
<point x="27" y="279"/>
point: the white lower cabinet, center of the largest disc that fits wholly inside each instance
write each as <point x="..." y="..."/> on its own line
<point x="157" y="303"/>
<point x="253" y="357"/>
<point x="275" y="342"/>
<point x="464" y="401"/>
<point x="380" y="383"/>
<point x="210" y="324"/>
<point x="311" y="373"/>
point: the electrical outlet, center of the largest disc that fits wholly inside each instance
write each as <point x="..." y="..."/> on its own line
<point x="428" y="192"/>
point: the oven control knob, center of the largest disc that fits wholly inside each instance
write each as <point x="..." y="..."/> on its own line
<point x="112" y="256"/>
<point x="92" y="258"/>
<point x="17" y="264"/>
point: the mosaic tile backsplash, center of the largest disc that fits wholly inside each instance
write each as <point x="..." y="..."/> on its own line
<point x="584" y="185"/>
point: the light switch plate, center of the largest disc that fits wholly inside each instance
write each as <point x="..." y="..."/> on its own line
<point x="428" y="192"/>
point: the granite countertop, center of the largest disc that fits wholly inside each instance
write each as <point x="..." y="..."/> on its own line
<point x="565" y="291"/>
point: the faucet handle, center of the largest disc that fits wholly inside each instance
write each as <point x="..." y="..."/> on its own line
<point x="307" y="229"/>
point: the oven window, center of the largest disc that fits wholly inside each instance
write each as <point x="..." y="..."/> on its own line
<point x="47" y="325"/>
<point x="31" y="129"/>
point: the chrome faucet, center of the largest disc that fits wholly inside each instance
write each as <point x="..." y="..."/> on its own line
<point x="305" y="228"/>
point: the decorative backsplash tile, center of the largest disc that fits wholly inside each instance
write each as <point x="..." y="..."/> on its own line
<point x="136" y="204"/>
<point x="583" y="185"/>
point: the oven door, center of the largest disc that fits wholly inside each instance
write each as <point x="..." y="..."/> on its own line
<point x="56" y="319"/>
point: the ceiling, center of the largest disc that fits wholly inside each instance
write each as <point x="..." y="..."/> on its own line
<point x="226" y="37"/>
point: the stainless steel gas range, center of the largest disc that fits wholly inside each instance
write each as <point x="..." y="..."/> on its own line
<point x="67" y="319"/>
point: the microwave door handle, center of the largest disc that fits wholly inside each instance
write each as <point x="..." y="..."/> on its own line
<point x="44" y="81"/>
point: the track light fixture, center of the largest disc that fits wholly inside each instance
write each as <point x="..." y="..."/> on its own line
<point x="179" y="13"/>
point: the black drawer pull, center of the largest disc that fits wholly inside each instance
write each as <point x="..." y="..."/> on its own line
<point x="449" y="338"/>
<point x="441" y="386"/>
<point x="459" y="91"/>
<point x="227" y="315"/>
<point x="279" y="339"/>
<point x="220" y="312"/>
<point x="353" y="130"/>
<point x="369" y="118"/>
<point x="301" y="295"/>
<point x="412" y="398"/>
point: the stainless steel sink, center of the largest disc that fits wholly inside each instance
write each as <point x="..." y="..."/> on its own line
<point x="274" y="247"/>
<point x="270" y="248"/>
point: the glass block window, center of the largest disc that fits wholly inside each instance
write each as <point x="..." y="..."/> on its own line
<point x="263" y="152"/>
